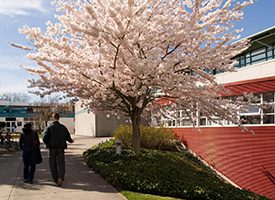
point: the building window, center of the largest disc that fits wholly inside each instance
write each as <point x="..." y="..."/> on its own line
<point x="10" y="119"/>
<point x="268" y="119"/>
<point x="185" y="122"/>
<point x="268" y="97"/>
<point x="262" y="111"/>
<point x="250" y="119"/>
<point x="203" y="121"/>
<point x="255" y="56"/>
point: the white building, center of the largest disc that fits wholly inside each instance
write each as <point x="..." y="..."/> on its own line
<point x="17" y="114"/>
<point x="96" y="125"/>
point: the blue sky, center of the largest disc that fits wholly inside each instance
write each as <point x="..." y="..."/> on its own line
<point x="16" y="13"/>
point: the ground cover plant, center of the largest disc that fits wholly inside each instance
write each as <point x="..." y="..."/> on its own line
<point x="165" y="173"/>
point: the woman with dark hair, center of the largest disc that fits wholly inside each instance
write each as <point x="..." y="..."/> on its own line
<point x="29" y="142"/>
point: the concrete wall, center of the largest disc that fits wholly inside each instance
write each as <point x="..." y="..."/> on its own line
<point x="106" y="126"/>
<point x="96" y="125"/>
<point x="260" y="70"/>
<point x="84" y="121"/>
<point x="69" y="123"/>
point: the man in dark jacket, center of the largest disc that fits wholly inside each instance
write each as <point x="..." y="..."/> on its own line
<point x="55" y="137"/>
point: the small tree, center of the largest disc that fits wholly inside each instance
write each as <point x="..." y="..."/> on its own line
<point x="116" y="53"/>
<point x="45" y="107"/>
<point x="15" y="97"/>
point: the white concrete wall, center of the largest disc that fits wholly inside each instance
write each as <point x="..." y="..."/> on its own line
<point x="69" y="123"/>
<point x="19" y="128"/>
<point x="2" y="119"/>
<point x="85" y="123"/>
<point x="259" y="70"/>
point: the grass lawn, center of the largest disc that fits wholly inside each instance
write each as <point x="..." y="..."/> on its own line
<point x="139" y="196"/>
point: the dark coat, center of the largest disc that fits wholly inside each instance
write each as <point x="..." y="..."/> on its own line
<point x="56" y="135"/>
<point x="28" y="142"/>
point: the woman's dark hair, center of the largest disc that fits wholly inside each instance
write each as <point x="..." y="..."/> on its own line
<point x="28" y="125"/>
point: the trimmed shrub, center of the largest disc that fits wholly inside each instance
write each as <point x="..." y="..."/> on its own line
<point x="151" y="137"/>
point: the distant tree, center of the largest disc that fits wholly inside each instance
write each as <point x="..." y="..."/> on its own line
<point x="15" y="97"/>
<point x="45" y="107"/>
<point x="115" y="53"/>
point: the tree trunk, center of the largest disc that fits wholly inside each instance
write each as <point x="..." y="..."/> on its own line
<point x="136" y="132"/>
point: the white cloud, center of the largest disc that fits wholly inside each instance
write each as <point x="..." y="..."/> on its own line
<point x="20" y="7"/>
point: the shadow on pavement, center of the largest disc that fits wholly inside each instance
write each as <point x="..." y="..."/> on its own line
<point x="78" y="175"/>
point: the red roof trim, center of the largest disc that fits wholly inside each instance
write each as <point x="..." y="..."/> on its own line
<point x="266" y="84"/>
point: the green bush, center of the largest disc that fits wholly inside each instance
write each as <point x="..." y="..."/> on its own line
<point x="2" y="124"/>
<point x="151" y="137"/>
<point x="163" y="173"/>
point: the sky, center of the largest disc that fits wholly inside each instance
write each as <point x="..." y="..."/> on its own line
<point x="14" y="14"/>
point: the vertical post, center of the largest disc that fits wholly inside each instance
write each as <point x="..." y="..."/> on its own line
<point x="118" y="147"/>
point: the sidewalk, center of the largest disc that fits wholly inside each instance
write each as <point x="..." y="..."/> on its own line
<point x="80" y="182"/>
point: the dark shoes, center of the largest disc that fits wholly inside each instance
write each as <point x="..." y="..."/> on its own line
<point x="27" y="181"/>
<point x="59" y="182"/>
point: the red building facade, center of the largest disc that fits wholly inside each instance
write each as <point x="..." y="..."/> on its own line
<point x="245" y="157"/>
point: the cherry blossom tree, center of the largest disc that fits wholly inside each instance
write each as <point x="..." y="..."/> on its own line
<point x="122" y="55"/>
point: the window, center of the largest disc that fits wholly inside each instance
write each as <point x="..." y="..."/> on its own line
<point x="185" y="122"/>
<point x="10" y="119"/>
<point x="178" y="114"/>
<point x="257" y="51"/>
<point x="262" y="111"/>
<point x="252" y="110"/>
<point x="215" y="121"/>
<point x="252" y="119"/>
<point x="268" y="97"/>
<point x="203" y="121"/>
<point x="242" y="61"/>
<point x="30" y="110"/>
<point x="255" y="56"/>
<point x="270" y="53"/>
<point x="268" y="119"/>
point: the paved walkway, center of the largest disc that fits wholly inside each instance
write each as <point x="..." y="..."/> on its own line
<point x="80" y="182"/>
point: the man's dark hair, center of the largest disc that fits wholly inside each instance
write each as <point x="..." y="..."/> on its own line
<point x="56" y="116"/>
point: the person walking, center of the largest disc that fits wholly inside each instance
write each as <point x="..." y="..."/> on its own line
<point x="55" y="137"/>
<point x="29" y="142"/>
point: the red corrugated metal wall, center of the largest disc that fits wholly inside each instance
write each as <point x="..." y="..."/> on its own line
<point x="246" y="159"/>
<point x="254" y="86"/>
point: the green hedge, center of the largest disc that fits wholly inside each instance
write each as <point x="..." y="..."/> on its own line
<point x="2" y="124"/>
<point x="151" y="137"/>
<point x="163" y="173"/>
